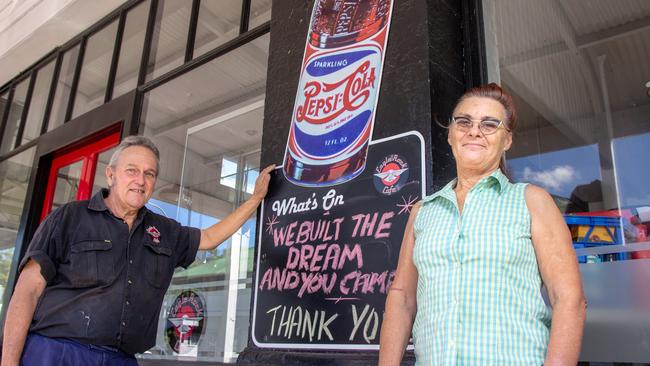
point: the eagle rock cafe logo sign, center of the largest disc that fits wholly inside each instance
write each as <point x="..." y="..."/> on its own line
<point x="185" y="319"/>
<point x="391" y="174"/>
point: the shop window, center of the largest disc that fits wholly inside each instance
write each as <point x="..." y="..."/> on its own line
<point x="37" y="102"/>
<point x="580" y="77"/>
<point x="128" y="65"/>
<point x="207" y="124"/>
<point x="169" y="37"/>
<point x="260" y="13"/>
<point x="63" y="87"/>
<point x="97" y="57"/>
<point x="14" y="179"/>
<point x="218" y="22"/>
<point x="15" y="114"/>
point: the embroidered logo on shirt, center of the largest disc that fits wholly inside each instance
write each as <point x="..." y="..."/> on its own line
<point x="154" y="234"/>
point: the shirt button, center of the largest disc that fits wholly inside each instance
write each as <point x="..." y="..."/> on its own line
<point x="128" y="303"/>
<point x="130" y="282"/>
<point x="123" y="323"/>
<point x="130" y="261"/>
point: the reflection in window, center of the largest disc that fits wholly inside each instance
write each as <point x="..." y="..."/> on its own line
<point x="67" y="184"/>
<point x="14" y="179"/>
<point x="228" y="173"/>
<point x="3" y="105"/>
<point x="631" y="154"/>
<point x="572" y="176"/>
<point x="169" y="37"/>
<point x="218" y="23"/>
<point x="15" y="115"/>
<point x="3" y="102"/>
<point x="128" y="65"/>
<point x="207" y="124"/>
<point x="185" y="216"/>
<point x="98" y="54"/>
<point x="252" y="172"/>
<point x="38" y="101"/>
<point x="63" y="86"/>
<point x="99" y="181"/>
<point x="260" y="13"/>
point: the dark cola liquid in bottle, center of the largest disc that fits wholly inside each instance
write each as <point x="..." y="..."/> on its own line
<point x="335" y="104"/>
<point x="337" y="23"/>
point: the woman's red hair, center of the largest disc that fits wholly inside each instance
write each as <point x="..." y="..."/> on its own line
<point x="494" y="92"/>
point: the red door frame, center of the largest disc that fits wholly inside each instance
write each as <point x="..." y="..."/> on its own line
<point x="86" y="151"/>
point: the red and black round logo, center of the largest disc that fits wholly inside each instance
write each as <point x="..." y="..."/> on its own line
<point x="391" y="174"/>
<point x="185" y="322"/>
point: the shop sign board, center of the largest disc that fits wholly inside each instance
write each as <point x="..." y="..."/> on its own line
<point x="327" y="255"/>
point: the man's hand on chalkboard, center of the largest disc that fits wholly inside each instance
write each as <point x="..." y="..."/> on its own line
<point x="262" y="183"/>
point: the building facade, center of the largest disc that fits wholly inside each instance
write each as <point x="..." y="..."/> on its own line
<point x="213" y="83"/>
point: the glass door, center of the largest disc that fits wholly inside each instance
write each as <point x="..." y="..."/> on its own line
<point x="73" y="170"/>
<point x="205" y="313"/>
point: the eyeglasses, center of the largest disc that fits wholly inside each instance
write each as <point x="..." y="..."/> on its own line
<point x="486" y="126"/>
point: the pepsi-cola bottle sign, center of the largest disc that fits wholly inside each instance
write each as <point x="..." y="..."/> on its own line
<point x="337" y="94"/>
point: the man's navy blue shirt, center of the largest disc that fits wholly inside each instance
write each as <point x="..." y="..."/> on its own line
<point x="105" y="285"/>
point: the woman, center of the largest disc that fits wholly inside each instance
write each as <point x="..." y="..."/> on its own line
<point x="468" y="278"/>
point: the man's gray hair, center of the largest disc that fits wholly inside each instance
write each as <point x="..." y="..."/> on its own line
<point x="135" y="141"/>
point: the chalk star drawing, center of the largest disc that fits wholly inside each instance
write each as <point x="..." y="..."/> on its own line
<point x="406" y="205"/>
<point x="270" y="223"/>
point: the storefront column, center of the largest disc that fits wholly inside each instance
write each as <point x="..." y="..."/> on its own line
<point x="423" y="75"/>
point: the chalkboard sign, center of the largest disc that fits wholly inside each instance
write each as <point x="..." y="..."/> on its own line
<point x="326" y="256"/>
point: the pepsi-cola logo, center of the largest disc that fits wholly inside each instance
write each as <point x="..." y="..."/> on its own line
<point x="335" y="87"/>
<point x="325" y="101"/>
<point x="335" y="102"/>
<point x="391" y="174"/>
<point x="185" y="319"/>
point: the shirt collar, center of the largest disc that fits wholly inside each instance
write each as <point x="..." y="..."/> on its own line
<point x="97" y="203"/>
<point x="448" y="190"/>
<point x="501" y="179"/>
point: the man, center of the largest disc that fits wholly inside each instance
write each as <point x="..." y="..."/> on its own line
<point x="98" y="269"/>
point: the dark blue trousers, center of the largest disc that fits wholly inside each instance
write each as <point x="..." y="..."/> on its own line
<point x="45" y="351"/>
